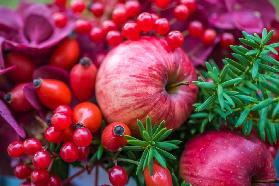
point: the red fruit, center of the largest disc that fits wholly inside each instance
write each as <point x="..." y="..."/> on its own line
<point x="119" y="15"/>
<point x="131" y="31"/>
<point x="191" y="4"/>
<point x="60" y="19"/>
<point x="227" y="39"/>
<point x="162" y="3"/>
<point x="17" y="99"/>
<point x="69" y="152"/>
<point x="52" y="93"/>
<point x="82" y="79"/>
<point x="67" y="134"/>
<point x="54" y="181"/>
<point x="31" y="146"/>
<point x="114" y="38"/>
<point x="52" y="135"/>
<point x="97" y="34"/>
<point x="118" y="176"/>
<point x="161" y="176"/>
<point x="15" y="149"/>
<point x="77" y="6"/>
<point x="41" y="160"/>
<point x="83" y="153"/>
<point x="97" y="9"/>
<point x="61" y="3"/>
<point x="175" y="39"/>
<point x="82" y="26"/>
<point x="209" y="36"/>
<point x="82" y="137"/>
<point x="162" y="26"/>
<point x="181" y="12"/>
<point x="60" y="121"/>
<point x="88" y="115"/>
<point x="113" y="136"/>
<point x="23" y="70"/>
<point x="39" y="177"/>
<point x="146" y="22"/>
<point x="196" y="29"/>
<point x="132" y="8"/>
<point x="66" y="54"/>
<point x="108" y="25"/>
<point x="63" y="109"/>
<point x="234" y="160"/>
<point x="22" y="171"/>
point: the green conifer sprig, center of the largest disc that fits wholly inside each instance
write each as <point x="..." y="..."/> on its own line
<point x="245" y="93"/>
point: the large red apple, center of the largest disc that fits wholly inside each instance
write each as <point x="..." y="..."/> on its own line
<point x="145" y="78"/>
<point x="226" y="158"/>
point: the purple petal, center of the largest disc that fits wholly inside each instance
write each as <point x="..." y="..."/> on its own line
<point x="248" y="22"/>
<point x="197" y="51"/>
<point x="1" y="53"/>
<point x="222" y="21"/>
<point x="7" y="116"/>
<point x="51" y="72"/>
<point x="30" y="95"/>
<point x="9" y="18"/>
<point x="5" y="70"/>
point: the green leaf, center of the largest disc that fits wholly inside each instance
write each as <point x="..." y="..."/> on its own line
<point x="244" y="114"/>
<point x="199" y="115"/>
<point x="159" y="133"/>
<point x="174" y="179"/>
<point x="264" y="33"/>
<point x="247" y="128"/>
<point x="255" y="69"/>
<point x="271" y="49"/>
<point x="205" y="85"/>
<point x="249" y="43"/>
<point x="146" y="136"/>
<point x="166" y="154"/>
<point x="252" y="52"/>
<point x="234" y="63"/>
<point x="229" y="99"/>
<point x="272" y="132"/>
<point x="269" y="59"/>
<point x="269" y="68"/>
<point x="60" y="168"/>
<point x="231" y="82"/>
<point x="203" y="125"/>
<point x="149" y="125"/>
<point x="239" y="49"/>
<point x="176" y="142"/>
<point x="141" y="162"/>
<point x="220" y="96"/>
<point x="137" y="143"/>
<point x="164" y="135"/>
<point x="100" y="152"/>
<point x="166" y="146"/>
<point x="274" y="45"/>
<point x="150" y="161"/>
<point x="262" y="104"/>
<point x="133" y="148"/>
<point x="141" y="127"/>
<point x="266" y="37"/>
<point x="275" y="111"/>
<point x="161" y="160"/>
<point x="206" y="104"/>
<point x="262" y="123"/>
<point x="270" y="87"/>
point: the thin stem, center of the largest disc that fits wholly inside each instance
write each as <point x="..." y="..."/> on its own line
<point x="174" y="85"/>
<point x="273" y="180"/>
<point x="128" y="160"/>
<point x="97" y="175"/>
<point x="69" y="179"/>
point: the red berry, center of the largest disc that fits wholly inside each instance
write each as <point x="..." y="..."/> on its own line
<point x="41" y="160"/>
<point x="39" y="177"/>
<point x="113" y="136"/>
<point x="60" y="121"/>
<point x="162" y="3"/>
<point x="63" y="109"/>
<point x="132" y="8"/>
<point x="97" y="9"/>
<point x="31" y="146"/>
<point x="146" y="21"/>
<point x="161" y="176"/>
<point x="82" y="137"/>
<point x="131" y="31"/>
<point x="54" y="181"/>
<point x="15" y="149"/>
<point x="162" y="26"/>
<point x="60" y="19"/>
<point x="82" y="26"/>
<point x="96" y="34"/>
<point x="83" y="153"/>
<point x="209" y="36"/>
<point x="17" y="99"/>
<point x="52" y="135"/>
<point x="77" y="6"/>
<point x="191" y="4"/>
<point x="61" y="3"/>
<point x="67" y="135"/>
<point x="181" y="12"/>
<point x="118" y="176"/>
<point x="227" y="39"/>
<point x="69" y="152"/>
<point x="119" y="15"/>
<point x="196" y="29"/>
<point x="175" y="39"/>
<point x="22" y="171"/>
<point x="114" y="38"/>
<point x="108" y="25"/>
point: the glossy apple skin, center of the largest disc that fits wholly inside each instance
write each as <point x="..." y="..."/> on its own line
<point x="226" y="158"/>
<point x="131" y="83"/>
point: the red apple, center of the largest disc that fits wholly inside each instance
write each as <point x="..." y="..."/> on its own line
<point x="226" y="158"/>
<point x="135" y="80"/>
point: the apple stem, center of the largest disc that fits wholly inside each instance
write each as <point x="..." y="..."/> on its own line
<point x="274" y="180"/>
<point x="174" y="85"/>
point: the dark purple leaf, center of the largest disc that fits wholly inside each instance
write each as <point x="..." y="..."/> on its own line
<point x="7" y="116"/>
<point x="5" y="70"/>
<point x="30" y="95"/>
<point x="1" y="53"/>
<point x="51" y="72"/>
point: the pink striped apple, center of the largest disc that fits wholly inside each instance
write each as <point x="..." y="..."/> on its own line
<point x="146" y="78"/>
